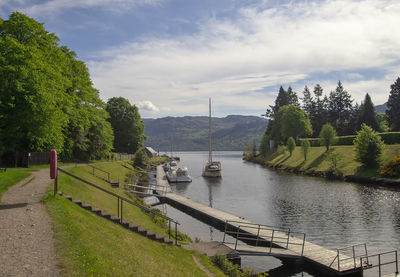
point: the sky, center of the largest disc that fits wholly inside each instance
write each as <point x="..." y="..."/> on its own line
<point x="168" y="57"/>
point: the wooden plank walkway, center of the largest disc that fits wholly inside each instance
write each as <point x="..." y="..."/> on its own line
<point x="313" y="253"/>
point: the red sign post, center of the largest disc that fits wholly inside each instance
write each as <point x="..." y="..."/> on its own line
<point x="53" y="168"/>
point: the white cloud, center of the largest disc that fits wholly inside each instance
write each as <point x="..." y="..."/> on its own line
<point x="147" y="106"/>
<point x="232" y="61"/>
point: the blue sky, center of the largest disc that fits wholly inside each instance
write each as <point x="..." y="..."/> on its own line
<point x="169" y="56"/>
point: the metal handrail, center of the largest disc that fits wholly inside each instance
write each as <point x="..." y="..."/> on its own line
<point x="99" y="169"/>
<point x="121" y="198"/>
<point x="380" y="264"/>
<point x="273" y="238"/>
<point x="353" y="257"/>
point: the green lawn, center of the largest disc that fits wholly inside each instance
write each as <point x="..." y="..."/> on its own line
<point x="317" y="159"/>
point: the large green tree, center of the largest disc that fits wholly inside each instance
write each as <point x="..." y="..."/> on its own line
<point x="368" y="146"/>
<point x="393" y="106"/>
<point x="127" y="125"/>
<point x="294" y="122"/>
<point x="46" y="96"/>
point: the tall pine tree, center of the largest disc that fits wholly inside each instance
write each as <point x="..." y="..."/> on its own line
<point x="340" y="109"/>
<point x="393" y="105"/>
<point x="366" y="114"/>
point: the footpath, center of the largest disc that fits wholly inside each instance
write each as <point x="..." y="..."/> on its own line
<point x="26" y="235"/>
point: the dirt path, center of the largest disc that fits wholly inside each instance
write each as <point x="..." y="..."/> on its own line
<point x="26" y="237"/>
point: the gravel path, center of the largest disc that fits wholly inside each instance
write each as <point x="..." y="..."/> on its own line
<point x="26" y="236"/>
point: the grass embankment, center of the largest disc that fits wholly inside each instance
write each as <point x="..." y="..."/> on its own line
<point x="318" y="160"/>
<point x="88" y="245"/>
<point x="11" y="177"/>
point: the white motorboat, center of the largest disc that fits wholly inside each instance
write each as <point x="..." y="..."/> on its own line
<point x="212" y="168"/>
<point x="178" y="175"/>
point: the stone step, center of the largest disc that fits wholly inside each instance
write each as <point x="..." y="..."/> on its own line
<point x="87" y="206"/>
<point x="133" y="227"/>
<point x="125" y="223"/>
<point x="69" y="197"/>
<point x="96" y="210"/>
<point x="105" y="214"/>
<point x="115" y="219"/>
<point x="77" y="201"/>
<point x="142" y="231"/>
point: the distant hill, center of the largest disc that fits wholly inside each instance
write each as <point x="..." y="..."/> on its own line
<point x="381" y="108"/>
<point x="190" y="133"/>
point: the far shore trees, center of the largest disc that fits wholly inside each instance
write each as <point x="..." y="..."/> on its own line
<point x="327" y="136"/>
<point x="393" y="105"/>
<point x="367" y="114"/>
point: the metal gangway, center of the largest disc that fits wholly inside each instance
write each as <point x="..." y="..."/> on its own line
<point x="263" y="240"/>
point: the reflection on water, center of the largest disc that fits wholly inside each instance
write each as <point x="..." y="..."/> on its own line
<point x="332" y="214"/>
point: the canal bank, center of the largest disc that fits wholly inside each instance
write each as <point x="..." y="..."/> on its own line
<point x="332" y="214"/>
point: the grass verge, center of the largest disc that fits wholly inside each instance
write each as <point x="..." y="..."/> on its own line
<point x="88" y="245"/>
<point x="11" y="177"/>
<point x="318" y="159"/>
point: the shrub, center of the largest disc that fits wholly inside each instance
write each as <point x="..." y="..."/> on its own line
<point x="305" y="148"/>
<point x="291" y="145"/>
<point x="327" y="136"/>
<point x="390" y="137"/>
<point x="391" y="169"/>
<point x="368" y="146"/>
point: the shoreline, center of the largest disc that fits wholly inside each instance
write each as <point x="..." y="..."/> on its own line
<point x="329" y="175"/>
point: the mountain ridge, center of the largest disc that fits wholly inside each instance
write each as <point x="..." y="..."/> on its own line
<point x="190" y="133"/>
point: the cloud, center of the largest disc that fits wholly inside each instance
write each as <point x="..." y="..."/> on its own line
<point x="55" y="6"/>
<point x="258" y="50"/>
<point x="147" y="106"/>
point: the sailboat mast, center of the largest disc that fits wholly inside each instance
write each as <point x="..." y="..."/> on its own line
<point x="209" y="132"/>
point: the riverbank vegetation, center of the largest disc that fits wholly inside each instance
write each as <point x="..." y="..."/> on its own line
<point x="367" y="152"/>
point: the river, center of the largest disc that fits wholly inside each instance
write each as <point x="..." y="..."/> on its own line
<point x="332" y="214"/>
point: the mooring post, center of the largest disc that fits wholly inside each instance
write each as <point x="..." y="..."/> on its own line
<point x="53" y="168"/>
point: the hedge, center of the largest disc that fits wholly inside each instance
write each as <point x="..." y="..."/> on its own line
<point x="387" y="138"/>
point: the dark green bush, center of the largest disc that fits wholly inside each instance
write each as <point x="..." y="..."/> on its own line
<point x="390" y="137"/>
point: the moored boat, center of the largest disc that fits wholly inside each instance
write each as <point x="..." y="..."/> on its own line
<point x="212" y="168"/>
<point x="178" y="175"/>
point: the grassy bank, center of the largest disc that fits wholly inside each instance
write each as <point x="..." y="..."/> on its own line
<point x="11" y="177"/>
<point x="318" y="160"/>
<point x="88" y="245"/>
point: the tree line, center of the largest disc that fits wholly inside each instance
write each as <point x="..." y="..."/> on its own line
<point x="47" y="100"/>
<point x="289" y="118"/>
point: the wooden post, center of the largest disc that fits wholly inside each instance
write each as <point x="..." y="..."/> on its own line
<point x="56" y="184"/>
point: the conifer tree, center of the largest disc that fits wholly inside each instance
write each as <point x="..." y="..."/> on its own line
<point x="340" y="109"/>
<point x="393" y="105"/>
<point x="366" y="114"/>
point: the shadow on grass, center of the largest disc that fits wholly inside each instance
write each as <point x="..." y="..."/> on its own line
<point x="282" y="160"/>
<point x="371" y="171"/>
<point x="317" y="161"/>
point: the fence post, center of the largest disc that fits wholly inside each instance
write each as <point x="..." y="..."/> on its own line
<point x="258" y="234"/>
<point x="169" y="228"/>
<point x="176" y="233"/>
<point x="226" y="223"/>
<point x="338" y="260"/>
<point x="122" y="201"/>
<point x="379" y="261"/>
<point x="118" y="206"/>
<point x="397" y="263"/>
<point x="354" y="257"/>
<point x="272" y="239"/>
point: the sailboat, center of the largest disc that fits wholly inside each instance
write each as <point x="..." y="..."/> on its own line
<point x="212" y="168"/>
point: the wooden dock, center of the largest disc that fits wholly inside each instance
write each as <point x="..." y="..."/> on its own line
<point x="291" y="246"/>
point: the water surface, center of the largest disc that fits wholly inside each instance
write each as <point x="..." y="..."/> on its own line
<point x="332" y="214"/>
